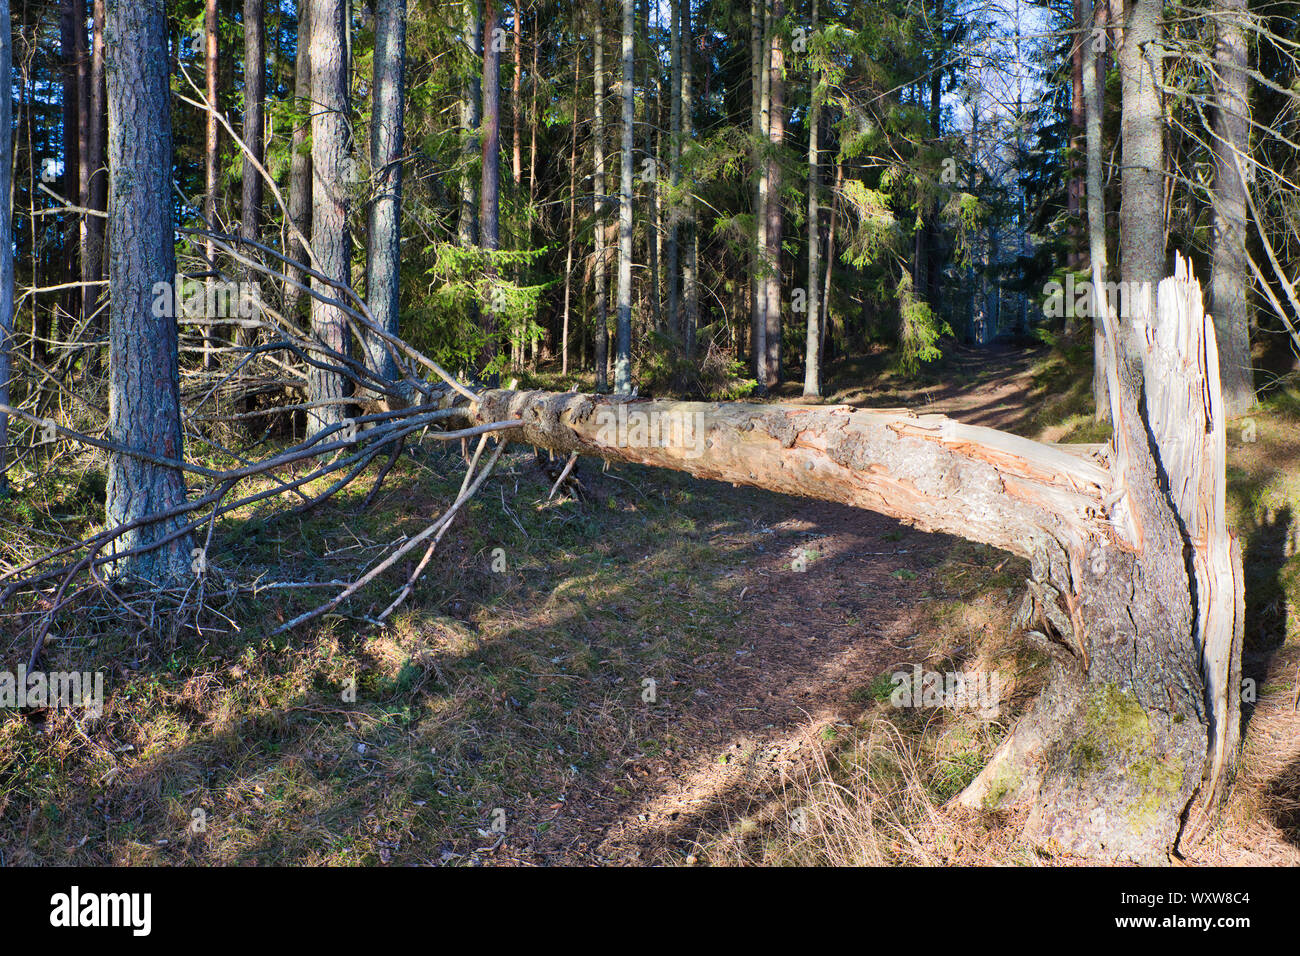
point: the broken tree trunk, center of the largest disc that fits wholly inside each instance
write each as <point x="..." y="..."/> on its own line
<point x="1135" y="586"/>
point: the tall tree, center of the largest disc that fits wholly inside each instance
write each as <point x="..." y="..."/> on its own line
<point x="674" y="160"/>
<point x="760" y="15"/>
<point x="1080" y="47"/>
<point x="254" y="97"/>
<point x="211" y="149"/>
<point x="773" y="231"/>
<point x="516" y="114"/>
<point x="94" y="159"/>
<point x="600" y="334"/>
<point x="387" y="128"/>
<point x="623" y="341"/>
<point x="6" y="241"/>
<point x="300" y="202"/>
<point x="1093" y="94"/>
<point x="573" y="201"/>
<point x="470" y="105"/>
<point x="690" y="239"/>
<point x="72" y="43"/>
<point x="1142" y="186"/>
<point x="490" y="188"/>
<point x="812" y="379"/>
<point x="653" y="232"/>
<point x="331" y="158"/>
<point x="144" y="386"/>
<point x="1230" y="284"/>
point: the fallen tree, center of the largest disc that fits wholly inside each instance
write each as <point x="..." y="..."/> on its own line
<point x="1135" y="590"/>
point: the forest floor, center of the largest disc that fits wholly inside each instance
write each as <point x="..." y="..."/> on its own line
<point x="654" y="669"/>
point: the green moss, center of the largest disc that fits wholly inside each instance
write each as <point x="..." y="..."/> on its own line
<point x="1002" y="786"/>
<point x="1117" y="731"/>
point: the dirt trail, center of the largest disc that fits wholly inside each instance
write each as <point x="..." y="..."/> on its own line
<point x="812" y="642"/>
<point x="744" y="720"/>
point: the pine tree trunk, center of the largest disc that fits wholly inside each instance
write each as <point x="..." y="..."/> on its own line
<point x="92" y="259"/>
<point x="331" y="157"/>
<point x="623" y="338"/>
<point x="1081" y="44"/>
<point x="674" y="165"/>
<point x="600" y="333"/>
<point x="652" y="185"/>
<point x="1142" y="204"/>
<point x="490" y="184"/>
<point x="144" y="410"/>
<point x="761" y="76"/>
<point x="1096" y="201"/>
<point x="71" y="19"/>
<point x="254" y="101"/>
<point x="387" y="129"/>
<point x="467" y="225"/>
<point x="812" y="380"/>
<point x="773" y="232"/>
<point x="573" y="199"/>
<point x="1230" y="285"/>
<point x="300" y="198"/>
<point x="6" y="243"/>
<point x="211" y="157"/>
<point x="690" y="240"/>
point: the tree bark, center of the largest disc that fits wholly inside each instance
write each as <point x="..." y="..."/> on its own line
<point x="144" y="410"/>
<point x="72" y="45"/>
<point x="300" y="174"/>
<point x="573" y="200"/>
<point x="1080" y="47"/>
<point x="92" y="257"/>
<point x="674" y="163"/>
<point x="1142" y="203"/>
<point x="211" y="155"/>
<point x="623" y="327"/>
<point x="690" y="238"/>
<point x="490" y="185"/>
<point x="254" y="100"/>
<point x="1096" y="201"/>
<point x="652" y="127"/>
<point x="331" y="157"/>
<point x="812" y="380"/>
<point x="761" y="76"/>
<point x="516" y="156"/>
<point x="1230" y="284"/>
<point x="6" y="242"/>
<point x="600" y="333"/>
<point x="772" y="234"/>
<point x="387" y="129"/>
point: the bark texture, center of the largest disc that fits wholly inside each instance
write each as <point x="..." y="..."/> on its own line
<point x="331" y="163"/>
<point x="6" y="247"/>
<point x="299" y="201"/>
<point x="1230" y="281"/>
<point x="144" y="390"/>
<point x="254" y="102"/>
<point x="387" y="127"/>
<point x="623" y="326"/>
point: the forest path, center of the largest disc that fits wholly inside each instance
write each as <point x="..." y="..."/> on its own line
<point x="737" y="725"/>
